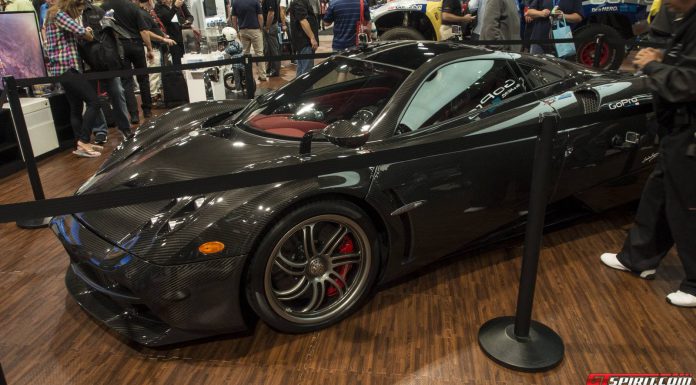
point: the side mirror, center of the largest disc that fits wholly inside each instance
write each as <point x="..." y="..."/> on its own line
<point x="347" y="134"/>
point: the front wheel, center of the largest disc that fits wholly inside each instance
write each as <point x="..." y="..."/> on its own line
<point x="401" y="33"/>
<point x="612" y="52"/>
<point x="314" y="267"/>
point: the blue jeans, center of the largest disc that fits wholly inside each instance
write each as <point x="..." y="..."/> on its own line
<point x="304" y="65"/>
<point x="114" y="89"/>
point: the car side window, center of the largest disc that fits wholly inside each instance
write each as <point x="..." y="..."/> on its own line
<point x="458" y="89"/>
<point x="539" y="76"/>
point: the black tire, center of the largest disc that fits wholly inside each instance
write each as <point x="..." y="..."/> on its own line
<point x="291" y="290"/>
<point x="402" y="33"/>
<point x="229" y="81"/>
<point x="614" y="50"/>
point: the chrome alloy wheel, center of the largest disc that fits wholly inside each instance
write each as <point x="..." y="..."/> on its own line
<point x="318" y="269"/>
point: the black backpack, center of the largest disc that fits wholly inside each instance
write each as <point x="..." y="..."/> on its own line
<point x="105" y="52"/>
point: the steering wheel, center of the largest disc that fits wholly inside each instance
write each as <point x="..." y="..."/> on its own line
<point x="364" y="114"/>
<point x="313" y="113"/>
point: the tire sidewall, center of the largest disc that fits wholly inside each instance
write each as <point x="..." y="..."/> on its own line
<point x="401" y="33"/>
<point x="587" y="36"/>
<point x="254" y="284"/>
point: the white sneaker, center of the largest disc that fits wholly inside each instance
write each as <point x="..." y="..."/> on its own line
<point x="679" y="298"/>
<point x="610" y="260"/>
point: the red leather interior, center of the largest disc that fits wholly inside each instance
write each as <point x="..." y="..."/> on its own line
<point x="337" y="103"/>
<point x="292" y="132"/>
<point x="281" y="124"/>
<point x="341" y="101"/>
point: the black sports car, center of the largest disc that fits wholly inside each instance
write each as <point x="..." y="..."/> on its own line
<point x="303" y="254"/>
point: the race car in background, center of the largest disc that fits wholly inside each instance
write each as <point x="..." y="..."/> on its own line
<point x="615" y="19"/>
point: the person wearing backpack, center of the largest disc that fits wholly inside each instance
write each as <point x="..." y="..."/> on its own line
<point x="133" y="34"/>
<point x="62" y="34"/>
<point x="102" y="54"/>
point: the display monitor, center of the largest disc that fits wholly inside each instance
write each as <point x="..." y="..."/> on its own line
<point x="209" y="8"/>
<point x="21" y="54"/>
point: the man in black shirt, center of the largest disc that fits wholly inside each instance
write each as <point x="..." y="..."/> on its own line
<point x="452" y="15"/>
<point x="91" y="17"/>
<point x="667" y="211"/>
<point x="304" y="32"/>
<point x="135" y="27"/>
<point x="271" y="12"/>
<point x="175" y="16"/>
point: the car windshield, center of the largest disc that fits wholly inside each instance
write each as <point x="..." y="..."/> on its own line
<point x="338" y="89"/>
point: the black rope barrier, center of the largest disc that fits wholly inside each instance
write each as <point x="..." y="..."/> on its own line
<point x="599" y="48"/>
<point x="519" y="342"/>
<point x="27" y="152"/>
<point x="248" y="178"/>
<point x="99" y="75"/>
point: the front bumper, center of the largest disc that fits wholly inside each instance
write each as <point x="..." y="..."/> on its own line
<point x="151" y="304"/>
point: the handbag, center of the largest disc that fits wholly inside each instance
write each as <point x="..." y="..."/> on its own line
<point x="561" y="30"/>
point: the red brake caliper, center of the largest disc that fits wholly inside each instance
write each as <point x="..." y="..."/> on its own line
<point x="346" y="247"/>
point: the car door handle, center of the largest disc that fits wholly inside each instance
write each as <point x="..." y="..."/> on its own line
<point x="630" y="140"/>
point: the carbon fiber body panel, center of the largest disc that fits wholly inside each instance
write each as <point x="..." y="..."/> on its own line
<point x="147" y="255"/>
<point x="151" y="304"/>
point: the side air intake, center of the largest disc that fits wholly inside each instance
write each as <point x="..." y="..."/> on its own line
<point x="589" y="100"/>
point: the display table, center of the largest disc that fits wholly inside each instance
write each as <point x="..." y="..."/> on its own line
<point x="39" y="120"/>
<point x="48" y="123"/>
<point x="200" y="86"/>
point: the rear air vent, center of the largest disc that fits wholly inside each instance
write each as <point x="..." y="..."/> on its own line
<point x="589" y="100"/>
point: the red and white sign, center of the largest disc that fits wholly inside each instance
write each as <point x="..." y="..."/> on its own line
<point x="639" y="379"/>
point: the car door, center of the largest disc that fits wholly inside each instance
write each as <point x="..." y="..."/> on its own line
<point x="449" y="200"/>
<point x="605" y="119"/>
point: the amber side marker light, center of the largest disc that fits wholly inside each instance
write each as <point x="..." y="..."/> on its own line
<point x="211" y="247"/>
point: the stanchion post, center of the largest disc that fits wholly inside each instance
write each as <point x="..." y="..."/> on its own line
<point x="599" y="49"/>
<point x="249" y="76"/>
<point x="26" y="150"/>
<point x="519" y="342"/>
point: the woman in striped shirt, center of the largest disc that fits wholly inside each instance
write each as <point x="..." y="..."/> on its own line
<point x="62" y="32"/>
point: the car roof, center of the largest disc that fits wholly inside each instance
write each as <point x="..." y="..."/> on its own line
<point x="413" y="54"/>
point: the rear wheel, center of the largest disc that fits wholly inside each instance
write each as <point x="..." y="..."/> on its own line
<point x="314" y="267"/>
<point x="612" y="50"/>
<point x="402" y="33"/>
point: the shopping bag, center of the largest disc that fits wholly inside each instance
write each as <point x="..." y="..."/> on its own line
<point x="561" y="30"/>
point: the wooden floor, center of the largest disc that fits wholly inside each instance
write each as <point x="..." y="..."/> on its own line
<point x="421" y="331"/>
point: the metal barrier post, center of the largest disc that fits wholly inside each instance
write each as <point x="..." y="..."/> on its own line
<point x="26" y="150"/>
<point x="518" y="342"/>
<point x="599" y="49"/>
<point x="249" y="76"/>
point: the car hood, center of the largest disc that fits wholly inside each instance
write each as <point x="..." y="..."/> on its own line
<point x="186" y="152"/>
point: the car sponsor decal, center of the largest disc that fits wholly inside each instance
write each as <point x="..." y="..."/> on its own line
<point x="499" y="93"/>
<point x="624" y="103"/>
<point x="650" y="158"/>
<point x="410" y="7"/>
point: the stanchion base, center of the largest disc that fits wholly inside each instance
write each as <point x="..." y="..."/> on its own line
<point x="542" y="350"/>
<point x="34" y="223"/>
